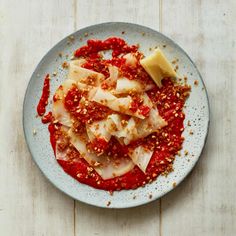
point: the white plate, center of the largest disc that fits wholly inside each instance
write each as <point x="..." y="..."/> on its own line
<point x="197" y="111"/>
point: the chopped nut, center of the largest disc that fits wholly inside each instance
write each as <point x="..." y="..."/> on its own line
<point x="54" y="73"/>
<point x="196" y="82"/>
<point x="72" y="38"/>
<point x="34" y="132"/>
<point x="175" y="61"/>
<point x="189" y="124"/>
<point x="97" y="163"/>
<point x="185" y="152"/>
<point x="123" y="32"/>
<point x="86" y="34"/>
<point x="150" y="196"/>
<point x="124" y="122"/>
<point x="89" y="169"/>
<point x="174" y="184"/>
<point x="65" y="65"/>
<point x="108" y="203"/>
<point x="191" y="132"/>
<point x="60" y="54"/>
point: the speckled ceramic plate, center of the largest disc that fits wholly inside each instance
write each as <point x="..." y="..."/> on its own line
<point x="197" y="111"/>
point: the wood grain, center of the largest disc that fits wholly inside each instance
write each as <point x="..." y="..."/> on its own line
<point x="133" y="11"/>
<point x="29" y="204"/>
<point x="136" y="221"/>
<point x="204" y="204"/>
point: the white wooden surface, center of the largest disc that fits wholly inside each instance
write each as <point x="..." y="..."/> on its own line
<point x="204" y="204"/>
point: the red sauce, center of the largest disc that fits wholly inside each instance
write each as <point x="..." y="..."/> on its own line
<point x="99" y="146"/>
<point x="99" y="64"/>
<point x="84" y="112"/>
<point x="144" y="110"/>
<point x="47" y="118"/>
<point x="94" y="112"/>
<point x="94" y="46"/>
<point x="169" y="99"/>
<point x="53" y="129"/>
<point x="72" y="99"/>
<point x="43" y="102"/>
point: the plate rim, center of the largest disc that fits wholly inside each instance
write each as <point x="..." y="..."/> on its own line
<point x="104" y="24"/>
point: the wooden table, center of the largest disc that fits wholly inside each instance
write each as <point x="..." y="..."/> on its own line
<point x="204" y="204"/>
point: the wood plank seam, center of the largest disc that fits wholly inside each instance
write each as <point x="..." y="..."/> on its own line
<point x="160" y="29"/>
<point x="75" y="14"/>
<point x="75" y="28"/>
<point x="74" y="217"/>
<point x="160" y="219"/>
<point x="160" y="15"/>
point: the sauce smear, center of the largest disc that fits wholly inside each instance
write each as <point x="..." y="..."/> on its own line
<point x="47" y="118"/>
<point x="43" y="102"/>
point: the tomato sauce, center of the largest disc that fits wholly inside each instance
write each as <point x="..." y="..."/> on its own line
<point x="47" y="118"/>
<point x="43" y="102"/>
<point x="169" y="99"/>
<point x="94" y="46"/>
